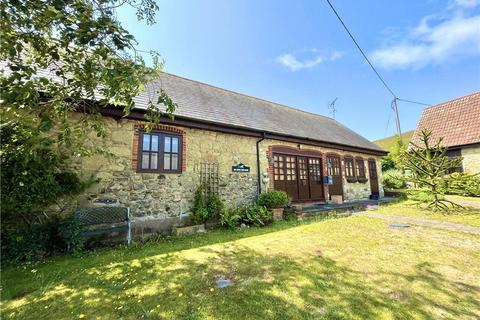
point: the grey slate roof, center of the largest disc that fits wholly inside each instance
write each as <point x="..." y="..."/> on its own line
<point x="200" y="101"/>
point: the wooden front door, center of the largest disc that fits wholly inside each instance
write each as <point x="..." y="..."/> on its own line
<point x="299" y="176"/>
<point x="303" y="181"/>
<point x="285" y="174"/>
<point x="334" y="170"/>
<point x="372" y="171"/>
<point x="316" y="178"/>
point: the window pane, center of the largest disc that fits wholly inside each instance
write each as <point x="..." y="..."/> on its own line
<point x="145" y="158"/>
<point x="175" y="145"/>
<point x="154" y="143"/>
<point x="166" y="161"/>
<point x="146" y="142"/>
<point x="153" y="161"/>
<point x="174" y="161"/>
<point x="167" y="146"/>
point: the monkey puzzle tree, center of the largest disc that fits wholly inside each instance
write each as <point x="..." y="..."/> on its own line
<point x="429" y="165"/>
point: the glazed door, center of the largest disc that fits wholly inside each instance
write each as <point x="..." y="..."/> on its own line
<point x="372" y="171"/>
<point x="285" y="174"/>
<point x="334" y="170"/>
<point x="303" y="180"/>
<point x="316" y="179"/>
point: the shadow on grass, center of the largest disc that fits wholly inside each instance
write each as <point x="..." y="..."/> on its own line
<point x="265" y="286"/>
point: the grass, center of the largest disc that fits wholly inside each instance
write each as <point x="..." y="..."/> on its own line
<point x="348" y="268"/>
<point x="388" y="142"/>
<point x="469" y="217"/>
<point x="464" y="199"/>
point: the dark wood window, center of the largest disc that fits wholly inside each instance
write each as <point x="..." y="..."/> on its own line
<point x="291" y="168"/>
<point x="349" y="169"/>
<point x="278" y="171"/>
<point x="333" y="166"/>
<point x="455" y="154"/>
<point x="315" y="169"/>
<point x="360" y="170"/>
<point x="160" y="152"/>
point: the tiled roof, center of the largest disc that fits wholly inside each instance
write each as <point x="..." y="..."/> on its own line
<point x="457" y="121"/>
<point x="200" y="101"/>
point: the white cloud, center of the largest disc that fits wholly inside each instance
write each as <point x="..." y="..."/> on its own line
<point x="294" y="63"/>
<point x="467" y="3"/>
<point x="436" y="39"/>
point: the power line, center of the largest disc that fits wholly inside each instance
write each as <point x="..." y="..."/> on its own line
<point x="414" y="102"/>
<point x="360" y="49"/>
<point x="395" y="98"/>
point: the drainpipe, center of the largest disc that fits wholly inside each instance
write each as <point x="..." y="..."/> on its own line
<point x="259" y="178"/>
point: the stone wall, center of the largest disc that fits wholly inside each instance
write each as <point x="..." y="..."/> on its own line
<point x="155" y="197"/>
<point x="471" y="159"/>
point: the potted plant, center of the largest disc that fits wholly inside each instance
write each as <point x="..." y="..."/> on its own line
<point x="275" y="201"/>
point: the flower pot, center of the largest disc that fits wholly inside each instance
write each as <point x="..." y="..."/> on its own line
<point x="277" y="214"/>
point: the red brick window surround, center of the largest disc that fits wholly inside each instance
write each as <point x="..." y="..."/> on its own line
<point x="162" y="150"/>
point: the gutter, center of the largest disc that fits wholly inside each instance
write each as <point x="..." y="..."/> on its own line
<point x="259" y="178"/>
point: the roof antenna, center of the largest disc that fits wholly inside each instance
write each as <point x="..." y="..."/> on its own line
<point x="332" y="107"/>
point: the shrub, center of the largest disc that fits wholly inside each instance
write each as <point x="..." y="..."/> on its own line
<point x="394" y="179"/>
<point x="205" y="207"/>
<point x="29" y="243"/>
<point x="463" y="184"/>
<point x="230" y="217"/>
<point x="254" y="215"/>
<point x="273" y="199"/>
<point x="420" y="195"/>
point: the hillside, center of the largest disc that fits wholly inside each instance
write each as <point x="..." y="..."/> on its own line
<point x="387" y="143"/>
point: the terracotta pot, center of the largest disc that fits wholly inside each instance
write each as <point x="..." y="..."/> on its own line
<point x="277" y="214"/>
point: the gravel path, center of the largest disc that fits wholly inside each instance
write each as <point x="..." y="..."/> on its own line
<point x="422" y="222"/>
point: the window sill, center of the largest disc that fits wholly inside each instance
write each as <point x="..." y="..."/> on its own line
<point x="362" y="180"/>
<point x="351" y="179"/>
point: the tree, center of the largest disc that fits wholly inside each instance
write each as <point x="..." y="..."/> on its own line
<point x="429" y="164"/>
<point x="58" y="57"/>
<point x="393" y="160"/>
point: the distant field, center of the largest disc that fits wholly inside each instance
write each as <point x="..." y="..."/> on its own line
<point x="387" y="143"/>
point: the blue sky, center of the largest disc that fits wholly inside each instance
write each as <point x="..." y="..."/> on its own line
<point x="296" y="52"/>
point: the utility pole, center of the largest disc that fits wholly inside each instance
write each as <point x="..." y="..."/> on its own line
<point x="332" y="106"/>
<point x="397" y="118"/>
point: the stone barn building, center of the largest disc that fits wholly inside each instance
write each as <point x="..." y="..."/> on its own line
<point x="237" y="144"/>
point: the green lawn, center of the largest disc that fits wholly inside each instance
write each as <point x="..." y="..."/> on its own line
<point x="469" y="217"/>
<point x="347" y="268"/>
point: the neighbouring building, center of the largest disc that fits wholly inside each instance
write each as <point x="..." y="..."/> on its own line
<point x="458" y="123"/>
<point x="237" y="144"/>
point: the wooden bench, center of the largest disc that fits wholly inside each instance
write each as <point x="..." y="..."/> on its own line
<point x="104" y="220"/>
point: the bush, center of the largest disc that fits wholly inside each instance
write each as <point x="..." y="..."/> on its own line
<point x="273" y="199"/>
<point x="394" y="179"/>
<point x="463" y="184"/>
<point x="205" y="207"/>
<point x="230" y="217"/>
<point x="254" y="215"/>
<point x="419" y="195"/>
<point x="30" y="243"/>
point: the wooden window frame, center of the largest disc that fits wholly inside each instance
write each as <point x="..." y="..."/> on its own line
<point x="360" y="177"/>
<point x="353" y="177"/>
<point x="161" y="152"/>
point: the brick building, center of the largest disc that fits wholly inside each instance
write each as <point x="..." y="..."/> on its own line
<point x="458" y="123"/>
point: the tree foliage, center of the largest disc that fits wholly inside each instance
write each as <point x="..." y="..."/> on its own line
<point x="393" y="160"/>
<point x="57" y="57"/>
<point x="429" y="164"/>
